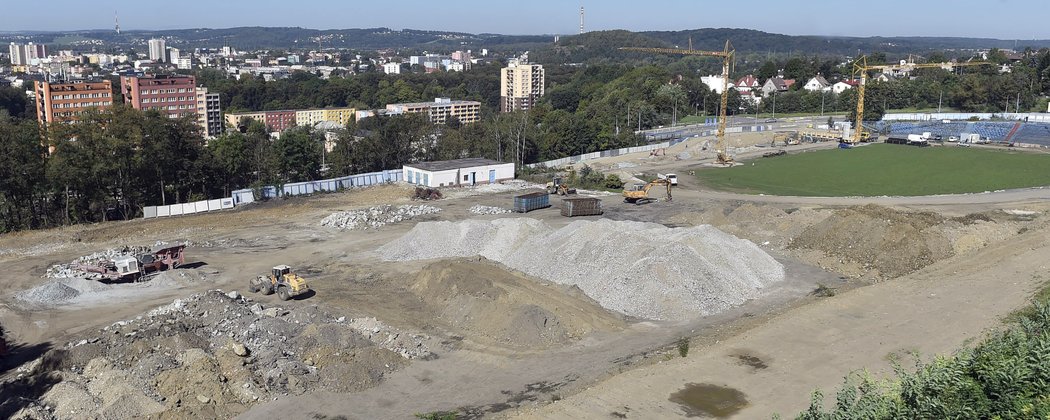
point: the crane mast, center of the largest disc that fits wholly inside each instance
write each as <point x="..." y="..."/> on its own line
<point x="727" y="59"/>
<point x="861" y="66"/>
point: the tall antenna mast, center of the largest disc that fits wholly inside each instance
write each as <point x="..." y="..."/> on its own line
<point x="116" y="21"/>
<point x="581" y="19"/>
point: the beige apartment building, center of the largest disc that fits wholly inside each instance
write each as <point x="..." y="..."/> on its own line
<point x="521" y="85"/>
<point x="441" y="110"/>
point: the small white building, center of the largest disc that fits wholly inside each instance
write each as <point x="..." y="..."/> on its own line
<point x="392" y="68"/>
<point x="459" y="172"/>
<point x="842" y="86"/>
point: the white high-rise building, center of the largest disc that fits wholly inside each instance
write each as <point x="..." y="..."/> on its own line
<point x="173" y="55"/>
<point x="156" y="50"/>
<point x="18" y="57"/>
<point x="392" y="68"/>
<point x="521" y="85"/>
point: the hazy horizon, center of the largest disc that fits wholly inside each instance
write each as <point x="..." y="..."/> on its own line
<point x="999" y="19"/>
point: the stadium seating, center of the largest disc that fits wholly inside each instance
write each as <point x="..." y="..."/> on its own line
<point x="1033" y="133"/>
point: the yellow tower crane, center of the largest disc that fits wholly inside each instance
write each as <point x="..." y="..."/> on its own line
<point x="727" y="59"/>
<point x="861" y="66"/>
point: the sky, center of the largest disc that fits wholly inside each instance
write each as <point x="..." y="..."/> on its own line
<point x="1004" y="19"/>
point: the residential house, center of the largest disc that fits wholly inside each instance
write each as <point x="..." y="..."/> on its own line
<point x="747" y="83"/>
<point x="777" y="84"/>
<point x="817" y="83"/>
<point x="843" y="85"/>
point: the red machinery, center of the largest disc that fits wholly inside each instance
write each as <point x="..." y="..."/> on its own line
<point x="134" y="267"/>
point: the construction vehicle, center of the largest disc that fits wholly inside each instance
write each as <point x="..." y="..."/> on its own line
<point x="861" y="66"/>
<point x="790" y="138"/>
<point x="281" y="281"/>
<point x="640" y="193"/>
<point x="727" y="59"/>
<point x="134" y="267"/>
<point x="558" y="186"/>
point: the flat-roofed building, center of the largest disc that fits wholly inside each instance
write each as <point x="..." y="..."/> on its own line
<point x="57" y="102"/>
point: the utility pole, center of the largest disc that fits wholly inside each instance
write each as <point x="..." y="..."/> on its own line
<point x="822" y="95"/>
<point x="939" y="100"/>
<point x="775" y="103"/>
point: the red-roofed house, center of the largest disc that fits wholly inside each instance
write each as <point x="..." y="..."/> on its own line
<point x="747" y="83"/>
<point x="777" y="84"/>
<point x="843" y="85"/>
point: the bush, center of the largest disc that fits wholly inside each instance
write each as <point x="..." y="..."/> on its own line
<point x="1006" y="376"/>
<point x="683" y="346"/>
<point x="427" y="194"/>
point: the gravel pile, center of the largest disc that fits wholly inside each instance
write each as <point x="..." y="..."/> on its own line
<point x="640" y="269"/>
<point x="375" y="217"/>
<point x="480" y="209"/>
<point x="50" y="293"/>
<point x="213" y="355"/>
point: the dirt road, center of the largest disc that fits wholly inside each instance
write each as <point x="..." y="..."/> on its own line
<point x="930" y="312"/>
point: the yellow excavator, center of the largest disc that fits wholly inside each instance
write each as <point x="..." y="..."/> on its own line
<point x="640" y="193"/>
<point x="282" y="281"/>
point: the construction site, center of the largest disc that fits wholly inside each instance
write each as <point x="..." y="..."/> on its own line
<point x="513" y="299"/>
<point x="369" y="303"/>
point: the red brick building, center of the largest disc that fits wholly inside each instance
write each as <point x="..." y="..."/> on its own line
<point x="280" y="120"/>
<point x="56" y="102"/>
<point x="173" y="95"/>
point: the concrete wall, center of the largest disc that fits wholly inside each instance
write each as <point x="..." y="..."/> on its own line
<point x="325" y="185"/>
<point x="187" y="208"/>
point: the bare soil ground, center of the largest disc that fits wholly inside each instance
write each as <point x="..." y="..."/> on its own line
<point x="471" y="336"/>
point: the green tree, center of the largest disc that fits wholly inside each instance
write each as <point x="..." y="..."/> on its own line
<point x="298" y="154"/>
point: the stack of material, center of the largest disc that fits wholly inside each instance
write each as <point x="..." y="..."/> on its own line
<point x="480" y="209"/>
<point x="640" y="269"/>
<point x="375" y="217"/>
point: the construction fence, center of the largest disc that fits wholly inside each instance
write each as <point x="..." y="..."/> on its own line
<point x="246" y="196"/>
<point x="187" y="208"/>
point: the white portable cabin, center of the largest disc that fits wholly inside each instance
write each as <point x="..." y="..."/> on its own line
<point x="459" y="172"/>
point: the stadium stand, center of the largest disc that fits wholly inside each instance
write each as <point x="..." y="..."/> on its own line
<point x="1037" y="134"/>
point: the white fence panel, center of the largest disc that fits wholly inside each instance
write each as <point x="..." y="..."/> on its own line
<point x="188" y="208"/>
<point x="175" y="210"/>
<point x="149" y="212"/>
<point x="200" y="206"/>
<point x="215" y="204"/>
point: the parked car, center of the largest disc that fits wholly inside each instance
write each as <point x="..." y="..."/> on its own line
<point x="952" y="139"/>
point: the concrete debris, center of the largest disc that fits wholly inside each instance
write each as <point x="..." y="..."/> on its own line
<point x="210" y="355"/>
<point x="626" y="165"/>
<point x="684" y="156"/>
<point x="58" y="271"/>
<point x="640" y="269"/>
<point x="480" y="209"/>
<point x="375" y="217"/>
<point x="83" y="292"/>
<point x="409" y="346"/>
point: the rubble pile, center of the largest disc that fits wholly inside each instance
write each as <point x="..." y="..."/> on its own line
<point x="480" y="209"/>
<point x="375" y="217"/>
<point x="59" y="271"/>
<point x="212" y="355"/>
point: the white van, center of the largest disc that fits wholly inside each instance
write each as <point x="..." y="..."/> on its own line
<point x="670" y="177"/>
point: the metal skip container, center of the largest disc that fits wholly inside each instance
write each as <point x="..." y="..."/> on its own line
<point x="532" y="201"/>
<point x="581" y="207"/>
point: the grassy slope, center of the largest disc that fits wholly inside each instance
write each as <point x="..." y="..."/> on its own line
<point x="883" y="169"/>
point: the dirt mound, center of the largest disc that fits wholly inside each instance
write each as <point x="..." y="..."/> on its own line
<point x="639" y="269"/>
<point x="212" y="355"/>
<point x="506" y="308"/>
<point x="891" y="242"/>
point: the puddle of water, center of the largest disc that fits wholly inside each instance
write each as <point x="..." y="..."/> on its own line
<point x="707" y="400"/>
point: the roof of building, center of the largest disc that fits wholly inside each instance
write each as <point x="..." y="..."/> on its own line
<point x="445" y="165"/>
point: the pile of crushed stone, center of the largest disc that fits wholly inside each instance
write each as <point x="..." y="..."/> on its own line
<point x="375" y="217"/>
<point x="212" y="355"/>
<point x="639" y="269"/>
<point x="58" y="271"/>
<point x="480" y="209"/>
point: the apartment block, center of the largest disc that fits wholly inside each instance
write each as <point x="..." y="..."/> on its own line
<point x="209" y="113"/>
<point x="521" y="85"/>
<point x="284" y="119"/>
<point x="172" y="95"/>
<point x="441" y="110"/>
<point x="57" y="102"/>
<point x="23" y="55"/>
<point x="157" y="50"/>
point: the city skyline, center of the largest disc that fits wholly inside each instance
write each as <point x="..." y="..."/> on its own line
<point x="819" y="17"/>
